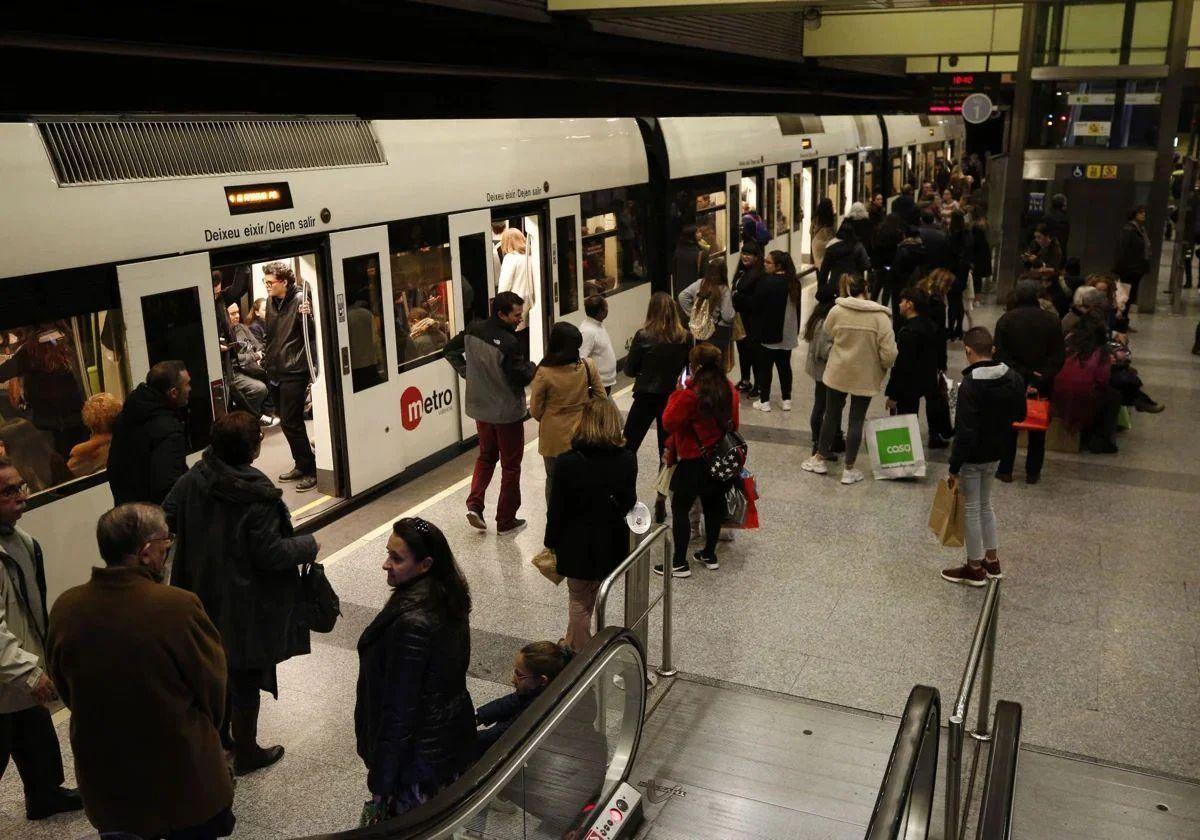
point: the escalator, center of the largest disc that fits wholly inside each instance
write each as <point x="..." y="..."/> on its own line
<point x="560" y="771"/>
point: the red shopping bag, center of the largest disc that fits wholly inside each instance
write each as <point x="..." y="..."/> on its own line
<point x="749" y="488"/>
<point x="1037" y="415"/>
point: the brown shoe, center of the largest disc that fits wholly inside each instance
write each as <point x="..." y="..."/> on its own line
<point x="966" y="574"/>
<point x="1005" y="477"/>
<point x="992" y="567"/>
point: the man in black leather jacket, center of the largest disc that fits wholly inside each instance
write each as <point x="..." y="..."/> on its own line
<point x="286" y="364"/>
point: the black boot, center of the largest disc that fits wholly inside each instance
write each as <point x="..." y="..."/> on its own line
<point x="660" y="509"/>
<point x="58" y="801"/>
<point x="248" y="756"/>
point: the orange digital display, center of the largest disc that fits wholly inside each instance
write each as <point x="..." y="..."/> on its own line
<point x="257" y="198"/>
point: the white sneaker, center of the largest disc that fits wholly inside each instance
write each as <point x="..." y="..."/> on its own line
<point x="815" y="465"/>
<point x="851" y="476"/>
<point x="787" y="405"/>
<point x="761" y="406"/>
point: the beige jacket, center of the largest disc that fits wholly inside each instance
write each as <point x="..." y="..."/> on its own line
<point x="864" y="346"/>
<point x="820" y="239"/>
<point x="556" y="399"/>
<point x="22" y="652"/>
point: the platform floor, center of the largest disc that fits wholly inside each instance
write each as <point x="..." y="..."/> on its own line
<point x="837" y="598"/>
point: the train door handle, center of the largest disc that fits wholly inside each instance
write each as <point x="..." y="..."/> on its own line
<point x="345" y="361"/>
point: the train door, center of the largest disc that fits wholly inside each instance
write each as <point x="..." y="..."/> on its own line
<point x="531" y="221"/>
<point x="733" y="204"/>
<point x="373" y="412"/>
<point x="566" y="260"/>
<point x="169" y="315"/>
<point x="474" y="268"/>
<point x="807" y="180"/>
<point x="779" y="191"/>
<point x="848" y="184"/>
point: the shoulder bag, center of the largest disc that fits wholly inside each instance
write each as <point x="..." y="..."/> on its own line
<point x="324" y="606"/>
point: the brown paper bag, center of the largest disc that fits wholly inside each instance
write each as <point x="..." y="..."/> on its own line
<point x="546" y="563"/>
<point x="948" y="516"/>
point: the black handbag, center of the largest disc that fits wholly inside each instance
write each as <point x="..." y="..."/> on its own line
<point x="324" y="606"/>
<point x="726" y="457"/>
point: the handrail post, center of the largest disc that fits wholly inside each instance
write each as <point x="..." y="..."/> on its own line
<point x="982" y="732"/>
<point x="954" y="747"/>
<point x="667" y="669"/>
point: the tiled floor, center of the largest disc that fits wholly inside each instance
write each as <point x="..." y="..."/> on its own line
<point x="836" y="598"/>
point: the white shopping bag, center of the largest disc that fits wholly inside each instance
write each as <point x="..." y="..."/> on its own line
<point x="895" y="446"/>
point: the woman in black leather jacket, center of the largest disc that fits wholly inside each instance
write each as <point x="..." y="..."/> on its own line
<point x="657" y="356"/>
<point x="414" y="721"/>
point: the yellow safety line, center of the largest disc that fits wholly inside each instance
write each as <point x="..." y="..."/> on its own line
<point x="314" y="503"/>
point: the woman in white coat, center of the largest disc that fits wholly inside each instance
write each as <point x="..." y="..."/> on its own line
<point x="516" y="272"/>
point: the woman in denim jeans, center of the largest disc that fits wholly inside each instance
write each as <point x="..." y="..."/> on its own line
<point x="990" y="399"/>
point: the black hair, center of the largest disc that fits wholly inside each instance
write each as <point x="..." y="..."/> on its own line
<point x="817" y="316"/>
<point x="281" y="270"/>
<point x="450" y="594"/>
<point x="846" y="233"/>
<point x="235" y="437"/>
<point x="979" y="340"/>
<point x="927" y="217"/>
<point x="751" y="246"/>
<point x="1087" y="336"/>
<point x="1027" y="293"/>
<point x="594" y="306"/>
<point x="687" y="235"/>
<point x="824" y="216"/>
<point x="563" y="346"/>
<point x="1042" y="228"/>
<point x="546" y="659"/>
<point x="166" y="375"/>
<point x="1137" y="208"/>
<point x="907" y="189"/>
<point x="505" y="302"/>
<point x="916" y="297"/>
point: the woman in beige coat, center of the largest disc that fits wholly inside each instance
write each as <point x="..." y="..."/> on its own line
<point x="561" y="387"/>
<point x="864" y="349"/>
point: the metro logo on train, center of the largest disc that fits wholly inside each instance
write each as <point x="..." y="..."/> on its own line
<point x="414" y="405"/>
<point x="894" y="446"/>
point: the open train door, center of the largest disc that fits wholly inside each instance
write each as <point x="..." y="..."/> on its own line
<point x="566" y="259"/>
<point x="474" y="266"/>
<point x="372" y="408"/>
<point x="170" y="314"/>
<point x="733" y="191"/>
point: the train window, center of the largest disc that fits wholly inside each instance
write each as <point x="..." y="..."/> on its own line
<point x="568" y="248"/>
<point x="613" y="235"/>
<point x="62" y="382"/>
<point x="174" y="330"/>
<point x="769" y="208"/>
<point x="364" y="321"/>
<point x="783" y="205"/>
<point x="423" y="298"/>
<point x="735" y="219"/>
<point x="797" y="199"/>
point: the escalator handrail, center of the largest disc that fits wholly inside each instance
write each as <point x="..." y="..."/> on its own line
<point x="995" y="812"/>
<point x="487" y="776"/>
<point x="908" y="782"/>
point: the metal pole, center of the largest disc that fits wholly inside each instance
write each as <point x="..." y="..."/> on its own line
<point x="981" y="732"/>
<point x="954" y="738"/>
<point x="667" y="669"/>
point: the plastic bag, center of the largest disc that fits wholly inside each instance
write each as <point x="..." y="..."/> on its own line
<point x="546" y="563"/>
<point x="894" y="444"/>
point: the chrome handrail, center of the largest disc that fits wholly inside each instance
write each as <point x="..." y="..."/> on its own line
<point x="658" y="532"/>
<point x="980" y="659"/>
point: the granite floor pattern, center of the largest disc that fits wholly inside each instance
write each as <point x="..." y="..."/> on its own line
<point x="836" y="598"/>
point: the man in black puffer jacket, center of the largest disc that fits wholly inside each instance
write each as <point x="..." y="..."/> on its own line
<point x="149" y="443"/>
<point x="990" y="399"/>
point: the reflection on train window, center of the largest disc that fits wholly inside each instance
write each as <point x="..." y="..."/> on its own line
<point x="473" y="254"/>
<point x="62" y="383"/>
<point x="698" y="226"/>
<point x="735" y="220"/>
<point x="175" y="331"/>
<point x="613" y="236"/>
<point x="783" y="205"/>
<point x="364" y="321"/>
<point x="568" y="283"/>
<point x="423" y="300"/>
<point x="797" y="199"/>
<point x="769" y="208"/>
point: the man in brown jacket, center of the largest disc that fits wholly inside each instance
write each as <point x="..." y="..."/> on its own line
<point x="141" y="667"/>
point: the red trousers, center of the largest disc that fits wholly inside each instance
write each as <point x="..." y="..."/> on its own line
<point x="503" y="442"/>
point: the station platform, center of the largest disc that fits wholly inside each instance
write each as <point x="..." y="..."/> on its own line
<point x="836" y="599"/>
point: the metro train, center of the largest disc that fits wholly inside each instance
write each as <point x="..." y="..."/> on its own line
<point x="112" y="230"/>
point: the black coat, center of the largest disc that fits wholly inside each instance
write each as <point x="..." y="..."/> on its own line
<point x="148" y="450"/>
<point x="745" y="281"/>
<point x="768" y="308"/>
<point x="961" y="246"/>
<point x="937" y="249"/>
<point x="921" y="348"/>
<point x="285" y="356"/>
<point x="1131" y="259"/>
<point x="1030" y="341"/>
<point x="841" y="257"/>
<point x="864" y="229"/>
<point x="1058" y="226"/>
<point x="235" y="548"/>
<point x="908" y="266"/>
<point x="413" y="717"/>
<point x="905" y="206"/>
<point x="655" y="365"/>
<point x="686" y="267"/>
<point x="981" y="253"/>
<point x="990" y="399"/>
<point x="593" y="488"/>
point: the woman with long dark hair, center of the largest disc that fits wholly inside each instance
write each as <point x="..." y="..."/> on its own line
<point x="696" y="417"/>
<point x="657" y="356"/>
<point x="708" y="305"/>
<point x="824" y="224"/>
<point x="776" y="312"/>
<point x="561" y="387"/>
<point x="745" y="284"/>
<point x="960" y="243"/>
<point x="414" y="721"/>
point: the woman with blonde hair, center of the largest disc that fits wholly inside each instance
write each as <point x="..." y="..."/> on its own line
<point x="99" y="413"/>
<point x="657" y="356"/>
<point x="516" y="272"/>
<point x="595" y="485"/>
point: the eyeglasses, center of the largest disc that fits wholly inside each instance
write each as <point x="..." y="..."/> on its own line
<point x="15" y="491"/>
<point x="275" y="282"/>
<point x="169" y="539"/>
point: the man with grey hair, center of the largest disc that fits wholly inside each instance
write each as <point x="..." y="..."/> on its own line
<point x="26" y="731"/>
<point x="1086" y="299"/>
<point x="146" y="703"/>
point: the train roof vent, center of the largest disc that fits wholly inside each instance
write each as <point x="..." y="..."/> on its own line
<point x="109" y="151"/>
<point x="800" y="124"/>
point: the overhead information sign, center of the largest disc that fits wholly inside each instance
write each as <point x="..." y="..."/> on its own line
<point x="1092" y="129"/>
<point x="1111" y="99"/>
<point x="977" y="108"/>
<point x="948" y="92"/>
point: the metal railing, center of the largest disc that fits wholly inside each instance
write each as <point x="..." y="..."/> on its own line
<point x="638" y="562"/>
<point x="981" y="658"/>
<point x="995" y="811"/>
<point x="904" y="806"/>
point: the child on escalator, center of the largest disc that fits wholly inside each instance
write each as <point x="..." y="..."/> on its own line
<point x="534" y="667"/>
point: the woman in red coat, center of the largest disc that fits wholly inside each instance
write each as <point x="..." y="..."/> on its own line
<point x="696" y="417"/>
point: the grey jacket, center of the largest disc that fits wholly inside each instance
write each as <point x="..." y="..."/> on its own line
<point x="22" y="635"/>
<point x="818" y="352"/>
<point x="490" y="356"/>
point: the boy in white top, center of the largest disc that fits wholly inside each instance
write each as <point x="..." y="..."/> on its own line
<point x="597" y="346"/>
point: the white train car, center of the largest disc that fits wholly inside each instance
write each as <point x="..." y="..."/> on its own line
<point x="916" y="143"/>
<point x="111" y="231"/>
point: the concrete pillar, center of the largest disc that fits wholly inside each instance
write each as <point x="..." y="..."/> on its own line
<point x="1010" y="246"/>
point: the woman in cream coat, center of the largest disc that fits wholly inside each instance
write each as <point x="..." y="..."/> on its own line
<point x="516" y="271"/>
